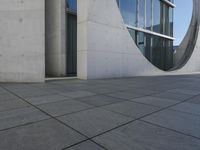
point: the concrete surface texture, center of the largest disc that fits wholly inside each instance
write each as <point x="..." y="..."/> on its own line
<point x="106" y="49"/>
<point x="22" y="45"/>
<point x="55" y="29"/>
<point x="154" y="113"/>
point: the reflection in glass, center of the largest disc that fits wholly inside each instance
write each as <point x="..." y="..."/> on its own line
<point x="155" y="16"/>
<point x="71" y="5"/>
<point x="128" y="11"/>
<point x="149" y="14"/>
<point x="141" y="14"/>
<point x="171" y="21"/>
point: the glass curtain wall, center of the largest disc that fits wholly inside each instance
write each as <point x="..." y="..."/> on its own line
<point x="155" y="18"/>
<point x="128" y="10"/>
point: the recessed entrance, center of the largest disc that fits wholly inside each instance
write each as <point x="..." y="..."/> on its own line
<point x="61" y="38"/>
<point x="71" y="38"/>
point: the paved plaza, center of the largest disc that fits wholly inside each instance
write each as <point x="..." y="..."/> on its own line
<point x="142" y="113"/>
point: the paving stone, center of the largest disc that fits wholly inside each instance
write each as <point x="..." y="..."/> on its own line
<point x="166" y="130"/>
<point x="21" y="116"/>
<point x="64" y="107"/>
<point x="99" y="100"/>
<point x="131" y="109"/>
<point x="173" y="96"/>
<point x="143" y="136"/>
<point x="104" y="90"/>
<point x="46" y="99"/>
<point x="185" y="91"/>
<point x="155" y="101"/>
<point x="141" y="91"/>
<point x="27" y="93"/>
<point x="79" y="94"/>
<point x="195" y="100"/>
<point x="188" y="108"/>
<point x="7" y="96"/>
<point x="46" y="135"/>
<point x="179" y="121"/>
<point x="12" y="104"/>
<point x="3" y="91"/>
<point x="86" y="146"/>
<point x="125" y="95"/>
<point x="95" y="121"/>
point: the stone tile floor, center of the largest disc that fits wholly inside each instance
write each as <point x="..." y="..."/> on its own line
<point x="142" y="113"/>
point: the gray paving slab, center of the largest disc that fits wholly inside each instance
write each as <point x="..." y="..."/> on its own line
<point x="78" y="94"/>
<point x="46" y="135"/>
<point x="173" y="96"/>
<point x="125" y="95"/>
<point x="185" y="91"/>
<point x="64" y="107"/>
<point x="141" y="91"/>
<point x="143" y="136"/>
<point x="21" y="116"/>
<point x="26" y="93"/>
<point x="131" y="109"/>
<point x="118" y="102"/>
<point x="178" y="121"/>
<point x="99" y="100"/>
<point x="195" y="100"/>
<point x="155" y="101"/>
<point x="86" y="146"/>
<point x="12" y="104"/>
<point x="7" y="96"/>
<point x="95" y="121"/>
<point x="47" y="99"/>
<point x="104" y="90"/>
<point x="188" y="108"/>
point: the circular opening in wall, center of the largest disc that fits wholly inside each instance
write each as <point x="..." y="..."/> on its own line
<point x="182" y="20"/>
<point x="158" y="27"/>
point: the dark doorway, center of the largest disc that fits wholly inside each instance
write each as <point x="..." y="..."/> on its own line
<point x="71" y="44"/>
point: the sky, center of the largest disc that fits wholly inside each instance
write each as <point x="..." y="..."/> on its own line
<point x="182" y="18"/>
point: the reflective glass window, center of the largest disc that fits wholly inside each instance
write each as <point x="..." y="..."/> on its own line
<point x="141" y="15"/>
<point x="148" y="14"/>
<point x="171" y="21"/>
<point x="157" y="16"/>
<point x="128" y="10"/>
<point x="71" y="5"/>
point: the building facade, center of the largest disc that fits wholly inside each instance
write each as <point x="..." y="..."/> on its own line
<point x="93" y="39"/>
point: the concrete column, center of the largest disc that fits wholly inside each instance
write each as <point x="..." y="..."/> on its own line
<point x="55" y="38"/>
<point x="22" y="43"/>
<point x="82" y="38"/>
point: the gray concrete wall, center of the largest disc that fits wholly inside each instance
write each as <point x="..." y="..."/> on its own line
<point x="106" y="49"/>
<point x="22" y="41"/>
<point x="55" y="38"/>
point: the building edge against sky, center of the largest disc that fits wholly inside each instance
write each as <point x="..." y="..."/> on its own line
<point x="105" y="48"/>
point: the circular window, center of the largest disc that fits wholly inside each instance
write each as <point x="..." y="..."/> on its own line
<point x="158" y="27"/>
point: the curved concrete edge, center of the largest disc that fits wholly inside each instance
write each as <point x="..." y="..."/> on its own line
<point x="106" y="49"/>
<point x="187" y="46"/>
<point x="22" y="45"/>
<point x="192" y="63"/>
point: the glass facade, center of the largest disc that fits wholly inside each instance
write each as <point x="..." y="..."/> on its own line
<point x="150" y="23"/>
<point x="128" y="11"/>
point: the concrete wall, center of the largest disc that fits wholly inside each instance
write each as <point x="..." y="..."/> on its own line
<point x="22" y="41"/>
<point x="55" y="38"/>
<point x="106" y="49"/>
